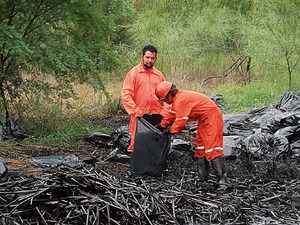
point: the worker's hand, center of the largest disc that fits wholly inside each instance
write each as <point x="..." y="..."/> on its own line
<point x="139" y="114"/>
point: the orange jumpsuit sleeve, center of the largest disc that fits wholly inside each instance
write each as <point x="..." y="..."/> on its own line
<point x="128" y="93"/>
<point x="168" y="118"/>
<point x="183" y="110"/>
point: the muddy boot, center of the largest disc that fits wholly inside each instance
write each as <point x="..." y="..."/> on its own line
<point x="219" y="168"/>
<point x="203" y="169"/>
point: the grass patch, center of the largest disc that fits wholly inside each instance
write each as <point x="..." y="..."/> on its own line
<point x="70" y="133"/>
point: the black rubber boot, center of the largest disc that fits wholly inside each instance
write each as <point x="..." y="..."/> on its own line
<point x="203" y="169"/>
<point x="219" y="168"/>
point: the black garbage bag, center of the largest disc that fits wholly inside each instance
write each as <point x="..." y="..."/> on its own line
<point x="290" y="132"/>
<point x="179" y="148"/>
<point x="3" y="168"/>
<point x="121" y="138"/>
<point x="231" y="119"/>
<point x="217" y="98"/>
<point x="289" y="102"/>
<point x="265" y="146"/>
<point x="243" y="128"/>
<point x="14" y="130"/>
<point x="284" y="120"/>
<point x="99" y="139"/>
<point x="154" y="119"/>
<point x="56" y="161"/>
<point x="118" y="155"/>
<point x="264" y="116"/>
<point x="231" y="146"/>
<point x="280" y="146"/>
<point x="151" y="148"/>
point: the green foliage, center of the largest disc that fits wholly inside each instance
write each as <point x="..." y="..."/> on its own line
<point x="71" y="132"/>
<point x="192" y="36"/>
<point x="241" y="99"/>
<point x="273" y="32"/>
<point x="70" y="41"/>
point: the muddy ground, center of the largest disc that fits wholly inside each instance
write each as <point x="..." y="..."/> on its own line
<point x="261" y="192"/>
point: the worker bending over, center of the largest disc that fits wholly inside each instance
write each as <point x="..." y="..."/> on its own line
<point x="193" y="106"/>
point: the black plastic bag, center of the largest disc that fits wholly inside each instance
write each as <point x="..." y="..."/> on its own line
<point x="99" y="139"/>
<point x="289" y="102"/>
<point x="266" y="146"/>
<point x="121" y="138"/>
<point x="56" y="161"/>
<point x="3" y="168"/>
<point x="118" y="155"/>
<point x="14" y="130"/>
<point x="231" y="146"/>
<point x="151" y="148"/>
<point x="178" y="149"/>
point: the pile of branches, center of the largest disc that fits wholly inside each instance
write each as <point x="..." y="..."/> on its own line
<point x="88" y="194"/>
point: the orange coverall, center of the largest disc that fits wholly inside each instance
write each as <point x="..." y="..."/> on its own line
<point x="138" y="96"/>
<point x="194" y="106"/>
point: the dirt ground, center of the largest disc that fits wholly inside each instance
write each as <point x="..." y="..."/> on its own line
<point x="17" y="157"/>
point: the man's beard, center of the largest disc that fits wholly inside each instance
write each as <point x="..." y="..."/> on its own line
<point x="148" y="65"/>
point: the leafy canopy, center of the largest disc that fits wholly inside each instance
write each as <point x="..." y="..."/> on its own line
<point x="47" y="46"/>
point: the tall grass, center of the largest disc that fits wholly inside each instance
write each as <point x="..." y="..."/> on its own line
<point x="195" y="40"/>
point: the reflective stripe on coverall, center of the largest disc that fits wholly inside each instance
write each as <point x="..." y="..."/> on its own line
<point x="194" y="106"/>
<point x="138" y="96"/>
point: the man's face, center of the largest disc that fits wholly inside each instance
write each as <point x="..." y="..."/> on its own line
<point x="168" y="99"/>
<point x="148" y="59"/>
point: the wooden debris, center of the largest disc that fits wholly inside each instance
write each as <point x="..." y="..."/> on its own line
<point x="90" y="195"/>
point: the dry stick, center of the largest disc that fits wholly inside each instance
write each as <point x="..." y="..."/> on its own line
<point x="37" y="209"/>
<point x="121" y="206"/>
<point x="97" y="217"/>
<point x="108" y="214"/>
<point x="236" y="219"/>
<point x="126" y="203"/>
<point x="164" y="208"/>
<point x="193" y="208"/>
<point x="87" y="216"/>
<point x="25" y="199"/>
<point x="116" y="222"/>
<point x="141" y="208"/>
<point x="145" y="186"/>
<point x="96" y="197"/>
<point x="69" y="213"/>
<point x="200" y="201"/>
<point x="270" y="198"/>
<point x="182" y="180"/>
<point x="173" y="208"/>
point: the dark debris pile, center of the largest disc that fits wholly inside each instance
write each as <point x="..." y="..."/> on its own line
<point x="261" y="193"/>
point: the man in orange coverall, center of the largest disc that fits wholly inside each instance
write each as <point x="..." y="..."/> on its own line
<point x="194" y="106"/>
<point x="138" y="91"/>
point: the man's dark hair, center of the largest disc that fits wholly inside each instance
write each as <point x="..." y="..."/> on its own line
<point x="149" y="48"/>
<point x="173" y="91"/>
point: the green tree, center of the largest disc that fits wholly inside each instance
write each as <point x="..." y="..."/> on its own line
<point x="273" y="33"/>
<point x="47" y="46"/>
